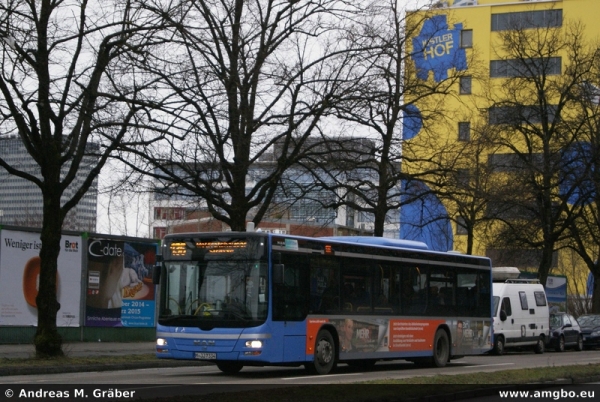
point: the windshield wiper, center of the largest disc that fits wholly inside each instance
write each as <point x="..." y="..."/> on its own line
<point x="237" y="314"/>
<point x="179" y="317"/>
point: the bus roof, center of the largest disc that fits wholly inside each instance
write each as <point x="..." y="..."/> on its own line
<point x="380" y="241"/>
<point x="348" y="241"/>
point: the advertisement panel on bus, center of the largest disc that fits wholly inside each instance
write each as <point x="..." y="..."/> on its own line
<point x="368" y="335"/>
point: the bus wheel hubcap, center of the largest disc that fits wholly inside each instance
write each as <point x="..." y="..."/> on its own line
<point x="325" y="351"/>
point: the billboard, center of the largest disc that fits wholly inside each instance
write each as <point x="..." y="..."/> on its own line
<point x="119" y="289"/>
<point x="19" y="279"/>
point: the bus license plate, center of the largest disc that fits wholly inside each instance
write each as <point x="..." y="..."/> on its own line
<point x="205" y="356"/>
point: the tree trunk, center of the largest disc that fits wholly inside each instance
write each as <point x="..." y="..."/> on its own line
<point x="596" y="294"/>
<point x="48" y="342"/>
<point x="545" y="264"/>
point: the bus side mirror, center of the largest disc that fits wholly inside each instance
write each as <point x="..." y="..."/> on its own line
<point x="156" y="270"/>
<point x="278" y="273"/>
<point x="503" y="315"/>
<point x="156" y="274"/>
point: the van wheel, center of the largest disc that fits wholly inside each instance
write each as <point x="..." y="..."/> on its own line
<point x="499" y="345"/>
<point x="539" y="346"/>
<point x="560" y="347"/>
<point x="325" y="356"/>
<point x="441" y="348"/>
<point x="230" y="367"/>
<point x="579" y="346"/>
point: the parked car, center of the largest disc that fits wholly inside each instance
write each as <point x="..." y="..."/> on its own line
<point x="565" y="332"/>
<point x="590" y="329"/>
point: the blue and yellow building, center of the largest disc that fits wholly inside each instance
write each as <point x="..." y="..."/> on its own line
<point x="460" y="42"/>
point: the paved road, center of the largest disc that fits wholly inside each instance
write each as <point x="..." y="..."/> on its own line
<point x="153" y="381"/>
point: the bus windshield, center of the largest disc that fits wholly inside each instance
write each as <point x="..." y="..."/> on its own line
<point x="217" y="293"/>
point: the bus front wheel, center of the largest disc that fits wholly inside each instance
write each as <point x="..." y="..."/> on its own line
<point x="325" y="356"/>
<point x="441" y="348"/>
<point x="230" y="367"/>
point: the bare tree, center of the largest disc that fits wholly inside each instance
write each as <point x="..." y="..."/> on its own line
<point x="465" y="182"/>
<point x="392" y="83"/>
<point x="581" y="175"/>
<point x="535" y="85"/>
<point x="63" y="87"/>
<point x="240" y="77"/>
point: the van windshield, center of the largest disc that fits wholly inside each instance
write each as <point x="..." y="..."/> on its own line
<point x="496" y="303"/>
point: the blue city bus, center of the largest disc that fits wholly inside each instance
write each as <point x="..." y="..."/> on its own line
<point x="258" y="299"/>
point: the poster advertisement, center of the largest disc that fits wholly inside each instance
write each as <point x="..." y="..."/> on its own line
<point x="368" y="335"/>
<point x="19" y="279"/>
<point x="556" y="290"/>
<point x="119" y="290"/>
<point x="556" y="293"/>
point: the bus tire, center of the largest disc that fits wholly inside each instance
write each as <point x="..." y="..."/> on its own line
<point x="441" y="348"/>
<point x="230" y="367"/>
<point x="499" y="345"/>
<point x="325" y="354"/>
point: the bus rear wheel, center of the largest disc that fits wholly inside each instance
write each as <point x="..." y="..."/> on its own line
<point x="441" y="348"/>
<point x="230" y="367"/>
<point x="325" y="356"/>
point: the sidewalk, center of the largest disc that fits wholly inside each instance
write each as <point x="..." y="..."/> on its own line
<point x="88" y="349"/>
<point x="82" y="349"/>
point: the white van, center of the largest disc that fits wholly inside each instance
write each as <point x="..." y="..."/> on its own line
<point x="521" y="314"/>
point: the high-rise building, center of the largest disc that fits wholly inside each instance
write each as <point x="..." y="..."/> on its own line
<point x="297" y="206"/>
<point x="21" y="200"/>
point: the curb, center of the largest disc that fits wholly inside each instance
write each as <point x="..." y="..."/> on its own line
<point x="30" y="370"/>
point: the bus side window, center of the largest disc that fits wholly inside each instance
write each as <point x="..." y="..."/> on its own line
<point x="290" y="298"/>
<point x="330" y="299"/>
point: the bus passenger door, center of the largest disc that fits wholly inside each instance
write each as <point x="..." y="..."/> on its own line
<point x="290" y="308"/>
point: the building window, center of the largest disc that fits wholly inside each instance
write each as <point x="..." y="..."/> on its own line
<point x="525" y="67"/>
<point x="521" y="114"/>
<point x="166" y="213"/>
<point x="527" y="20"/>
<point x="461" y="226"/>
<point x="160" y="232"/>
<point x="464" y="131"/>
<point x="466" y="38"/>
<point x="463" y="178"/>
<point x="465" y="85"/>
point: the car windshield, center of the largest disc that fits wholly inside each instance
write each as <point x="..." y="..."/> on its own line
<point x="556" y="320"/>
<point x="589" y="321"/>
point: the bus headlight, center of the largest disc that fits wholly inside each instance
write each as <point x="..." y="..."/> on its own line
<point x="254" y="344"/>
<point x="161" y="342"/>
